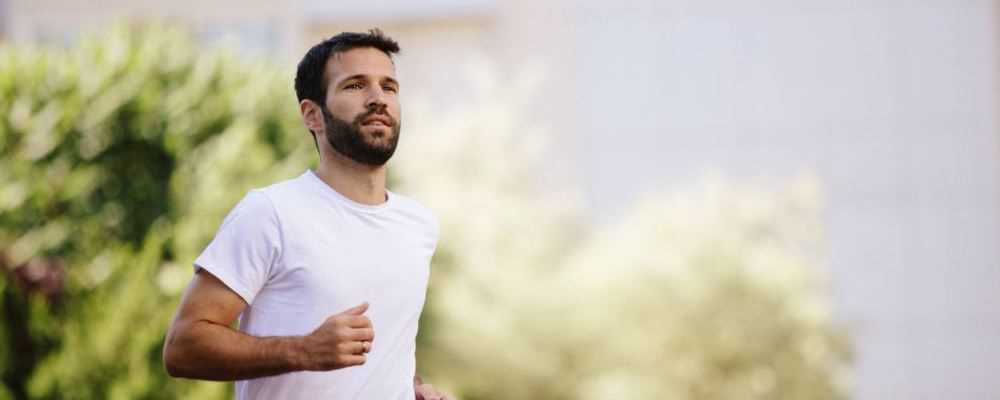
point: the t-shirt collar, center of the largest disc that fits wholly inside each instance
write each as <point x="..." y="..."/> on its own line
<point x="337" y="196"/>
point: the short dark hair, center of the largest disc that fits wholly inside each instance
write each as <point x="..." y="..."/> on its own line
<point x="310" y="78"/>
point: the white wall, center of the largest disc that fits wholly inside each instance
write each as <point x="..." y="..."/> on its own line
<point x="260" y="27"/>
<point x="893" y="104"/>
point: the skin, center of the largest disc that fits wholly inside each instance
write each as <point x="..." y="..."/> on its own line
<point x="358" y="79"/>
<point x="202" y="343"/>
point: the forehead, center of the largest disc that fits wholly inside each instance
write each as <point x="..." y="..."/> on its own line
<point x="366" y="61"/>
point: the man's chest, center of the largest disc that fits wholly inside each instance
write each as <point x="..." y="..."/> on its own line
<point x="336" y="263"/>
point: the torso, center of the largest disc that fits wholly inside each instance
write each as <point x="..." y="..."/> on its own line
<point x="335" y="255"/>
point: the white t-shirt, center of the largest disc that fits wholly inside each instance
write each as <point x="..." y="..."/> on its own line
<point x="298" y="252"/>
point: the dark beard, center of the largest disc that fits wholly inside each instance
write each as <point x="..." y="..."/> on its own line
<point x="347" y="139"/>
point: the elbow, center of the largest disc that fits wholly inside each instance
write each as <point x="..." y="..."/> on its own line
<point x="171" y="364"/>
<point x="173" y="358"/>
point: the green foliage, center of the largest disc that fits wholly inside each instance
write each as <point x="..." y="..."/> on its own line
<point x="118" y="160"/>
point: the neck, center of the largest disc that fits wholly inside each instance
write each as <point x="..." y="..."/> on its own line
<point x="362" y="183"/>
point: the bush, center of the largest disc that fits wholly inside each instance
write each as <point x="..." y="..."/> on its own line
<point x="118" y="160"/>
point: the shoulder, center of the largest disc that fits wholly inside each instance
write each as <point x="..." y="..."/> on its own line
<point x="280" y="193"/>
<point x="416" y="209"/>
<point x="270" y="203"/>
<point x="254" y="205"/>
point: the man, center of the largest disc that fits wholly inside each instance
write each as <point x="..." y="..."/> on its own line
<point x="327" y="272"/>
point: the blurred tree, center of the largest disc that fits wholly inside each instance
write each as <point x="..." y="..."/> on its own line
<point x="118" y="159"/>
<point x="710" y="293"/>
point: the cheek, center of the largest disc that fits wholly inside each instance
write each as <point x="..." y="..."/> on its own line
<point x="343" y="109"/>
<point x="395" y="110"/>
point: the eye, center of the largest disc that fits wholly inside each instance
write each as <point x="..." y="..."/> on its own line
<point x="355" y="85"/>
<point x="390" y="88"/>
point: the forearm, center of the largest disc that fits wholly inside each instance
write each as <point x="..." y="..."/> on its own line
<point x="206" y="350"/>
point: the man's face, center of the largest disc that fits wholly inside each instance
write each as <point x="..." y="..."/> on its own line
<point x="361" y="113"/>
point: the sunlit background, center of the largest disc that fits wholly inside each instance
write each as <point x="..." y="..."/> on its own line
<point x="639" y="200"/>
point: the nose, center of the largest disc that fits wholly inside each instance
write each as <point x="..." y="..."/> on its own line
<point x="376" y="98"/>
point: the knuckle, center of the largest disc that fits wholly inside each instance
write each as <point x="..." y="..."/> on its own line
<point x="343" y="332"/>
<point x="343" y="348"/>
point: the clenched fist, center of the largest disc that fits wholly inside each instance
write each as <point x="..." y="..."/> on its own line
<point x="343" y="340"/>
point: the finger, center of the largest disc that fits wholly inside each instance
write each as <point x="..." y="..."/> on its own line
<point x="362" y="334"/>
<point x="355" y="359"/>
<point x="428" y="392"/>
<point x="358" y="321"/>
<point x="355" y="347"/>
<point x="356" y="310"/>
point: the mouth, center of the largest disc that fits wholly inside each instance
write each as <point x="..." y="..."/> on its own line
<point x="377" y="120"/>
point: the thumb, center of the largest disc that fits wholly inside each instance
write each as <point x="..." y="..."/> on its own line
<point x="356" y="310"/>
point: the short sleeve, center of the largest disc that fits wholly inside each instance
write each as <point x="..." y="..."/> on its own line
<point x="246" y="247"/>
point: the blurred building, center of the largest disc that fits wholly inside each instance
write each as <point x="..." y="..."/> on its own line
<point x="893" y="104"/>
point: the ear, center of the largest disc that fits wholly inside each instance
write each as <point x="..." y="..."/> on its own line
<point x="312" y="116"/>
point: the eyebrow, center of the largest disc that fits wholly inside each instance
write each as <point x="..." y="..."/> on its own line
<point x="362" y="76"/>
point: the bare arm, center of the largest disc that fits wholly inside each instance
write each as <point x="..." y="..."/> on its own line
<point x="201" y="343"/>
